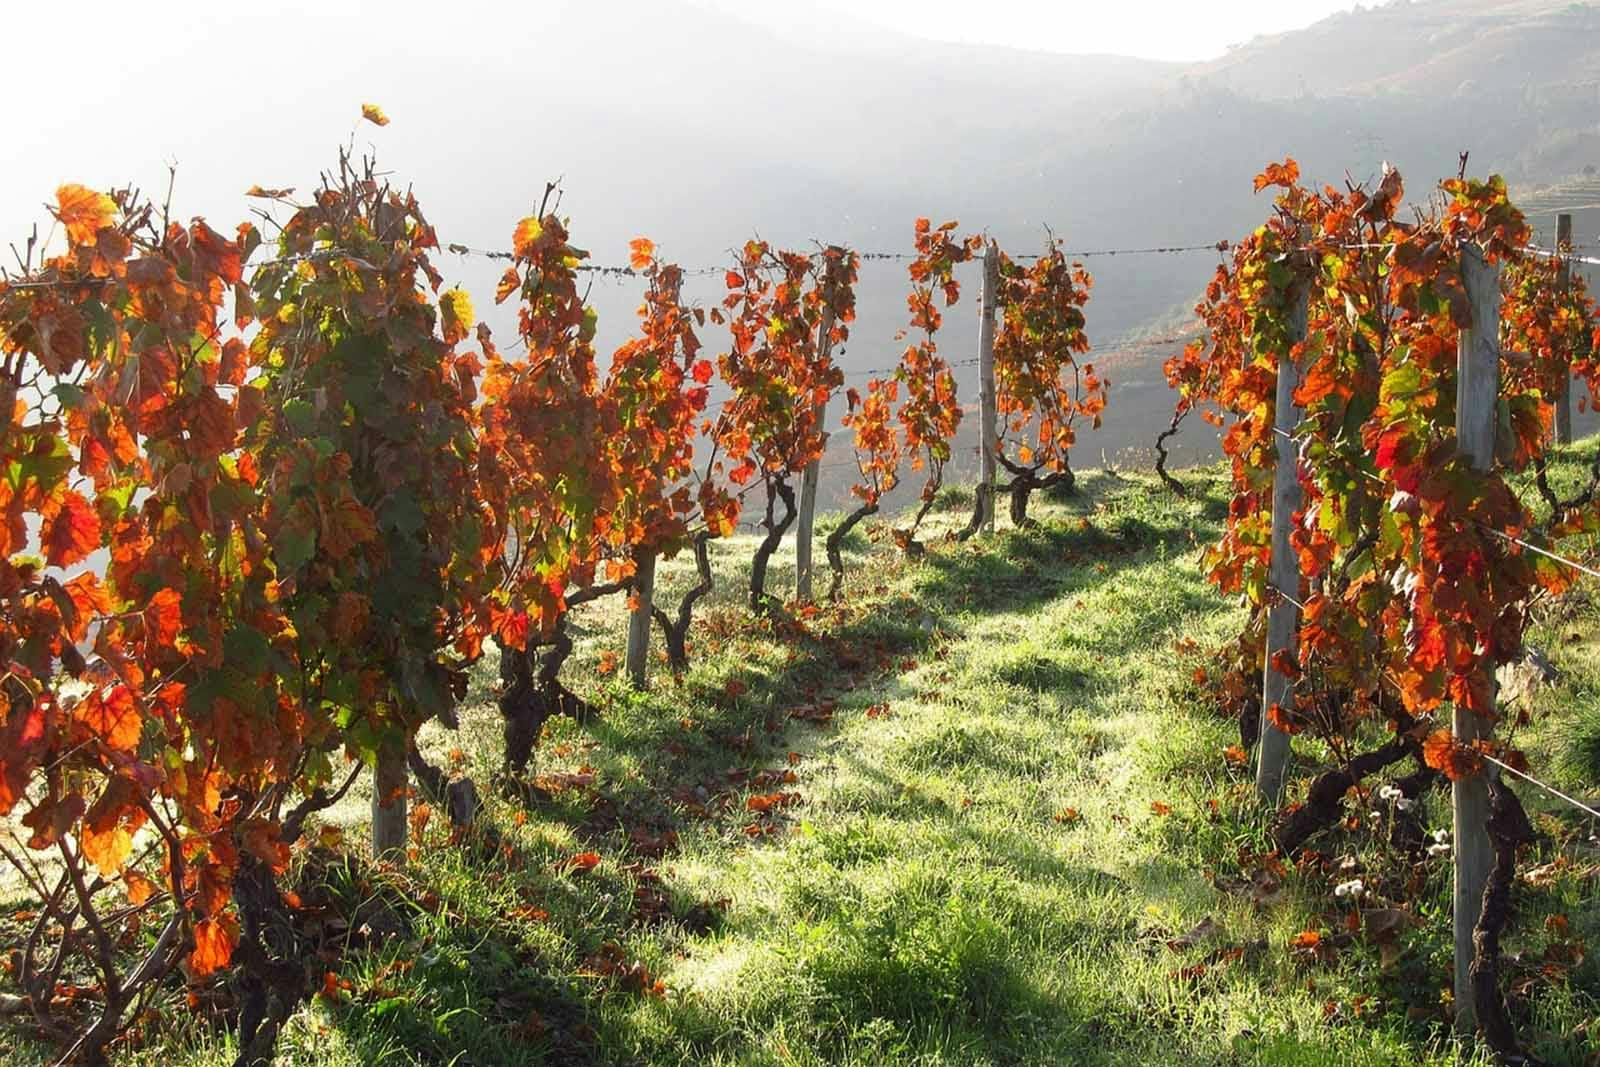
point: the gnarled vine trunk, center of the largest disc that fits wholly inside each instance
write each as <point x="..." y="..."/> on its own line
<point x="1322" y="807"/>
<point x="777" y="489"/>
<point x="1024" y="481"/>
<point x="1509" y="829"/>
<point x="460" y="797"/>
<point x="835" y="544"/>
<point x="980" y="508"/>
<point x="675" y="631"/>
<point x="277" y="967"/>
<point x="907" y="538"/>
<point x="530" y="685"/>
<point x="1162" y="455"/>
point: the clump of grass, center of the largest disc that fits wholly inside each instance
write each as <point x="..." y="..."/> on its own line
<point x="1578" y="745"/>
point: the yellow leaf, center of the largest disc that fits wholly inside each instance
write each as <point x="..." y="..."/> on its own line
<point x="374" y="114"/>
<point x="108" y="850"/>
<point x="528" y="231"/>
<point x="456" y="308"/>
<point x="83" y="212"/>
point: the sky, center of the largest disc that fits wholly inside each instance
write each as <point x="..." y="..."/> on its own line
<point x="1179" y="30"/>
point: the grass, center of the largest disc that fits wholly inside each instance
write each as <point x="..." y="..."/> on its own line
<point x="1014" y="840"/>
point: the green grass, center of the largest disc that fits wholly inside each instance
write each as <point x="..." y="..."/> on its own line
<point x="975" y="871"/>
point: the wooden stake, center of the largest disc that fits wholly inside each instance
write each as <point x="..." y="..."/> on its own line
<point x="1477" y="394"/>
<point x="389" y="782"/>
<point x="637" y="662"/>
<point x="805" y="518"/>
<point x="988" y="429"/>
<point x="1283" y="617"/>
<point x="644" y="590"/>
<point x="1562" y="399"/>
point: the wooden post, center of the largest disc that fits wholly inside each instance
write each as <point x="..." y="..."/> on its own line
<point x="637" y="663"/>
<point x="644" y="591"/>
<point x="1283" y="616"/>
<point x="988" y="429"/>
<point x="805" y="518"/>
<point x="389" y="783"/>
<point x="1477" y="394"/>
<point x="1562" y="399"/>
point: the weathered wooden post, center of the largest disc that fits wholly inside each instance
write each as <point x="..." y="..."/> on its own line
<point x="805" y="517"/>
<point x="1283" y="614"/>
<point x="637" y="658"/>
<point x="389" y="788"/>
<point x="644" y="590"/>
<point x="1477" y="394"/>
<point x="988" y="429"/>
<point x="1562" y="399"/>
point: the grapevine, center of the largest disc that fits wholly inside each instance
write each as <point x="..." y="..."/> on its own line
<point x="930" y="414"/>
<point x="1040" y="388"/>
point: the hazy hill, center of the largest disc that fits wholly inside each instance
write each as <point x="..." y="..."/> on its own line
<point x="687" y="124"/>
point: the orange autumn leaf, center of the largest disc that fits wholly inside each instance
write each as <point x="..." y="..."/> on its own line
<point x="766" y="802"/>
<point x="1285" y="174"/>
<point x="90" y="596"/>
<point x="140" y="888"/>
<point x="641" y="253"/>
<point x="510" y="627"/>
<point x="345" y="525"/>
<point x="107" y="849"/>
<point x="259" y="837"/>
<point x="374" y="114"/>
<point x="71" y="532"/>
<point x="1306" y="939"/>
<point x="1158" y="808"/>
<point x="582" y="863"/>
<point x="113" y="718"/>
<point x="163" y="618"/>
<point x="608" y="662"/>
<point x="528" y="231"/>
<point x="83" y="212"/>
<point x="214" y="940"/>
<point x="1454" y="760"/>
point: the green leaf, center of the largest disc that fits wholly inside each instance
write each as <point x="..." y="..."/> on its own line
<point x="401" y="513"/>
<point x="1403" y="382"/>
<point x="246" y="649"/>
<point x="300" y="416"/>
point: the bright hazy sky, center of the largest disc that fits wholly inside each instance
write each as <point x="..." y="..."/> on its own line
<point x="1150" y="29"/>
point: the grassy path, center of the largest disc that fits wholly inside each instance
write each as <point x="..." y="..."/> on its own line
<point x="973" y="815"/>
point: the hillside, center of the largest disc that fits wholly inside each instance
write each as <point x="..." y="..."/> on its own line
<point x="1444" y="48"/>
<point x="699" y="129"/>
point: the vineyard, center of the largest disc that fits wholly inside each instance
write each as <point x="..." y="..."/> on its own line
<point x="381" y="690"/>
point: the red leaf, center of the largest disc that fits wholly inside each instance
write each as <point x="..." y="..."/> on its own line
<point x="582" y="863"/>
<point x="71" y="532"/>
<point x="163" y="618"/>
